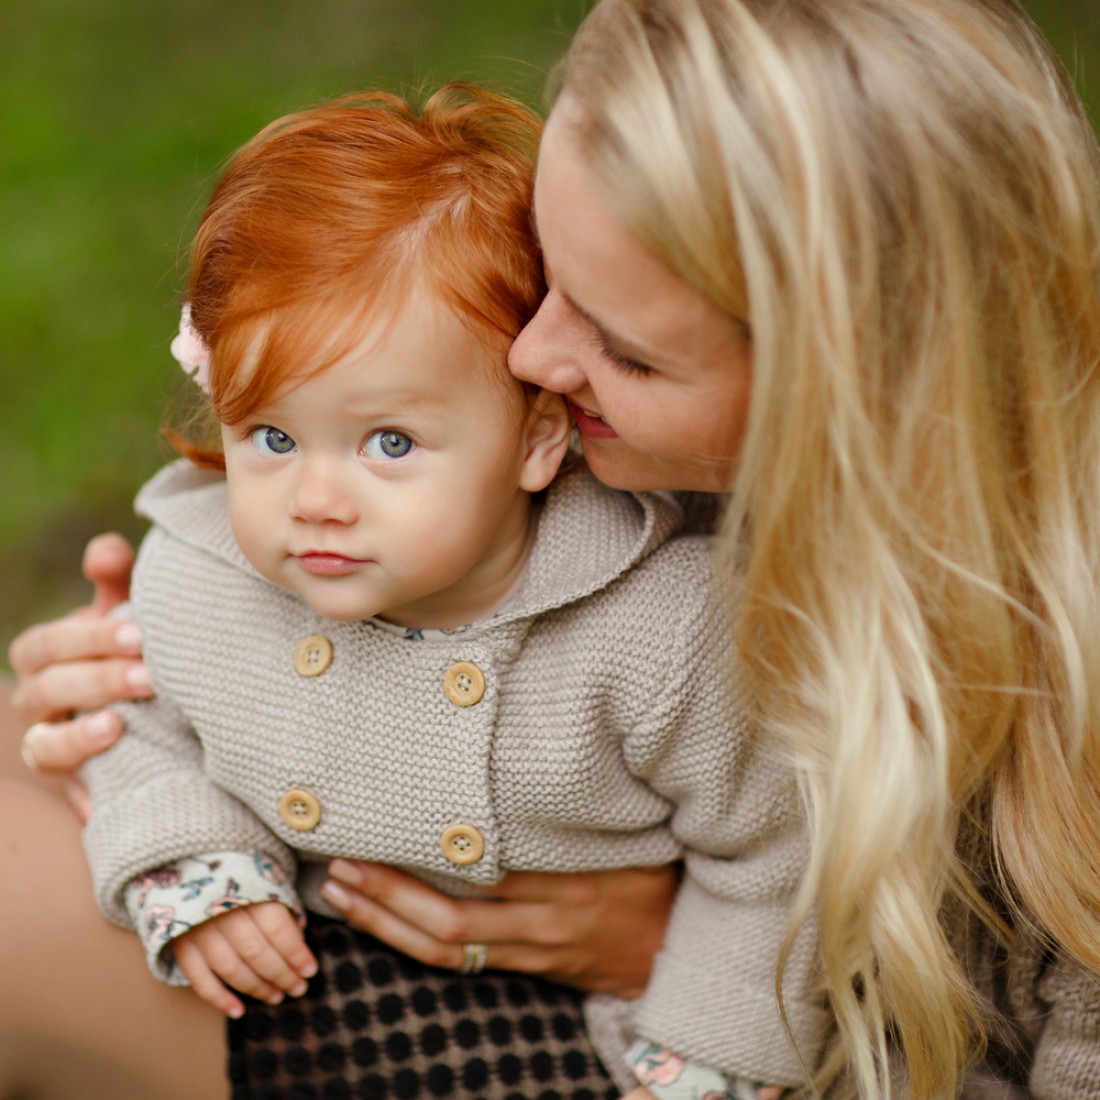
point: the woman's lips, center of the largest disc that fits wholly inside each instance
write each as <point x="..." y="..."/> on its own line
<point x="328" y="565"/>
<point x="593" y="427"/>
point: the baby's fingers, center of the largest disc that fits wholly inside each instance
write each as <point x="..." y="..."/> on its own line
<point x="261" y="936"/>
<point x="281" y="930"/>
<point x="218" y="943"/>
<point x="204" y="982"/>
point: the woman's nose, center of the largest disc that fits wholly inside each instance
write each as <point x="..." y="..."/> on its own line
<point x="546" y="350"/>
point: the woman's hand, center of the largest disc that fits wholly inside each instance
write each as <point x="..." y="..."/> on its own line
<point x="596" y="931"/>
<point x="80" y="662"/>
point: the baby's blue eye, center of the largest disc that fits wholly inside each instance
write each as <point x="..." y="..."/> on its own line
<point x="271" y="441"/>
<point x="387" y="444"/>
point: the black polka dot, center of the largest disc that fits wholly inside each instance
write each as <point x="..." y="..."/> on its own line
<point x="564" y="1027"/>
<point x="574" y="1064"/>
<point x="542" y="1066"/>
<point x="475" y="1074"/>
<point x="291" y="1024"/>
<point x="335" y="941"/>
<point x="298" y="1061"/>
<point x="398" y="1047"/>
<point x="365" y="1051"/>
<point x="391" y="1008"/>
<point x="440" y="1080"/>
<point x="433" y="1040"/>
<point x="486" y="994"/>
<point x="467" y="1034"/>
<point x="263" y="1063"/>
<point x="380" y="971"/>
<point x="406" y="1084"/>
<point x="518" y="993"/>
<point x="372" y="1087"/>
<point x="500" y="1031"/>
<point x="356" y="1015"/>
<point x="331" y="1058"/>
<point x="424" y="1001"/>
<point x="455" y="997"/>
<point x="530" y="1027"/>
<point x="348" y="977"/>
<point x="323" y="1021"/>
<point x="509" y="1069"/>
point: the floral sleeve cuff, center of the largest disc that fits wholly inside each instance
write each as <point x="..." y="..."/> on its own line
<point x="668" y="1077"/>
<point x="173" y="899"/>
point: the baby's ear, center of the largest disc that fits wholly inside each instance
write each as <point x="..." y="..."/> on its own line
<point x="548" y="427"/>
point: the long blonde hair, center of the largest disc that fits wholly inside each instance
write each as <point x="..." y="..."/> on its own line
<point x="902" y="199"/>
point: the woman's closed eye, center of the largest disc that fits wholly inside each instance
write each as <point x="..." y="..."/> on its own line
<point x="388" y="444"/>
<point x="272" y="441"/>
<point x="623" y="362"/>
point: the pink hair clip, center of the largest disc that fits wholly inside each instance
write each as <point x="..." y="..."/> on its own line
<point x="190" y="352"/>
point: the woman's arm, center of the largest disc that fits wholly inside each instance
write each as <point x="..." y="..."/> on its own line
<point x="597" y="931"/>
<point x="80" y="662"/>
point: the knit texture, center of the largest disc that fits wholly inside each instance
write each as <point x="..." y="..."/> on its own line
<point x="609" y="735"/>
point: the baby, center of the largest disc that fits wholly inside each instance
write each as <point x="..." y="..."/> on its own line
<point x="382" y="625"/>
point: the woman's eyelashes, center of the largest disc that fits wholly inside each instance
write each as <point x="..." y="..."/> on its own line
<point x="388" y="444"/>
<point x="623" y="362"/>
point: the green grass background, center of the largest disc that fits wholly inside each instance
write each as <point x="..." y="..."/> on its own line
<point x="114" y="118"/>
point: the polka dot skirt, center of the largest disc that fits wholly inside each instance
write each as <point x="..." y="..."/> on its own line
<point x="376" y="1025"/>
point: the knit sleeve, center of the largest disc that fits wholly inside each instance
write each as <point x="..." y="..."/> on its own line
<point x="712" y="995"/>
<point x="152" y="804"/>
<point x="1067" y="1054"/>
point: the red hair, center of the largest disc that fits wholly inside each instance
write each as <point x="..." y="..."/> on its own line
<point x="331" y="214"/>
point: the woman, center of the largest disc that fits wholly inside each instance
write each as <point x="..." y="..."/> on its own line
<point x="885" y="218"/>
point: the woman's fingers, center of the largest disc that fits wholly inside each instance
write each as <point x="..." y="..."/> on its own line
<point x="597" y="931"/>
<point x="80" y="636"/>
<point x="59" y="689"/>
<point x="108" y="563"/>
<point x="368" y="916"/>
<point x="63" y="746"/>
<point x="84" y="660"/>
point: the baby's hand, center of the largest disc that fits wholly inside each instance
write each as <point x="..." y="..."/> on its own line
<point x="257" y="949"/>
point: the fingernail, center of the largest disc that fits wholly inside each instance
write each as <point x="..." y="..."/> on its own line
<point x="236" y="1012"/>
<point x="346" y="872"/>
<point x="309" y="970"/>
<point x="101" y="730"/>
<point x="128" y="638"/>
<point x="137" y="678"/>
<point x="336" y="895"/>
<point x="299" y="989"/>
<point x="275" y="999"/>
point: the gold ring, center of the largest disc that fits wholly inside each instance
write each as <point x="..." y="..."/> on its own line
<point x="473" y="958"/>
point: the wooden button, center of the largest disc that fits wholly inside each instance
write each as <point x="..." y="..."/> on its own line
<point x="464" y="684"/>
<point x="313" y="655"/>
<point x="300" y="810"/>
<point x="462" y="844"/>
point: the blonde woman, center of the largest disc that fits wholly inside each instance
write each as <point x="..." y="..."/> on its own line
<point x="881" y="221"/>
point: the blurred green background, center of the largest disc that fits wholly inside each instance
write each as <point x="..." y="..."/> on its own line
<point x="114" y="117"/>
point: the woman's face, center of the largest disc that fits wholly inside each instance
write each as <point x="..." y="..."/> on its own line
<point x="657" y="376"/>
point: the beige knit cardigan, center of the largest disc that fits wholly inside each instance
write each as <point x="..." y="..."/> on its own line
<point x="608" y="736"/>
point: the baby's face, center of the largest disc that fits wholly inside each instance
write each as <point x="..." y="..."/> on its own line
<point x="390" y="484"/>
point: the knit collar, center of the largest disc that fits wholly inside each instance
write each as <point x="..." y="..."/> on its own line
<point x="588" y="535"/>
